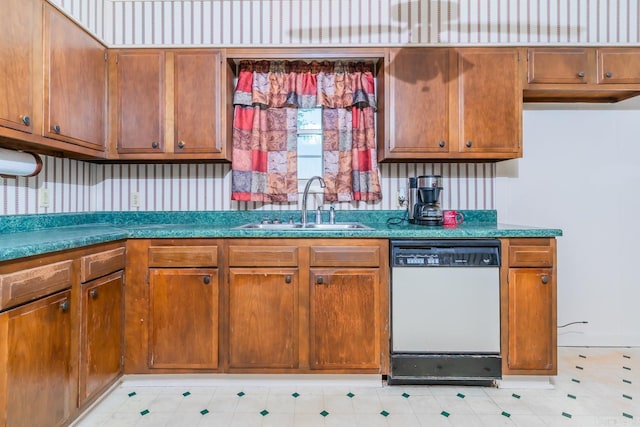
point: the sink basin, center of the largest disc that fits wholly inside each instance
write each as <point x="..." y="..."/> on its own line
<point x="298" y="226"/>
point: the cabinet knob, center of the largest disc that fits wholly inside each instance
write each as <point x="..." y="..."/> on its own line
<point x="64" y="306"/>
<point x="581" y="74"/>
<point x="155" y="144"/>
<point x="206" y="280"/>
<point x="287" y="279"/>
<point x="469" y="144"/>
<point x="93" y="293"/>
<point x="319" y="280"/>
<point x="26" y="120"/>
<point x="608" y="74"/>
<point x="181" y="144"/>
<point x="56" y="128"/>
<point x="544" y="279"/>
<point x="441" y="144"/>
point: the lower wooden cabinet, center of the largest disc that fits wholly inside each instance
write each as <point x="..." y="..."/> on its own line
<point x="36" y="384"/>
<point x="183" y="318"/>
<point x="344" y="324"/>
<point x="263" y="318"/>
<point x="101" y="335"/>
<point x="529" y="321"/>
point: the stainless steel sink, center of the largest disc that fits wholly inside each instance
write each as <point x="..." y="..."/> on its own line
<point x="298" y="226"/>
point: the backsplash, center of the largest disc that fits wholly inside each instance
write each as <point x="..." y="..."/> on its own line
<point x="76" y="186"/>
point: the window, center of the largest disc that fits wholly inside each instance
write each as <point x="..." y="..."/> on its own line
<point x="309" y="143"/>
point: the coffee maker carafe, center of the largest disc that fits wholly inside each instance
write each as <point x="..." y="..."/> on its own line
<point x="424" y="200"/>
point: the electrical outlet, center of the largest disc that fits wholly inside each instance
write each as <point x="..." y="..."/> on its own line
<point x="135" y="199"/>
<point x="401" y="199"/>
<point x="43" y="197"/>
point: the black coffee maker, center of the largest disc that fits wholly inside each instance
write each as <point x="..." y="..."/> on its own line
<point x="424" y="200"/>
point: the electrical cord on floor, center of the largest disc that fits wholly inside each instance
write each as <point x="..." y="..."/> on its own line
<point x="397" y="220"/>
<point x="572" y="323"/>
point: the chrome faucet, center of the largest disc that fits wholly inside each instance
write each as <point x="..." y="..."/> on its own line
<point x="304" y="197"/>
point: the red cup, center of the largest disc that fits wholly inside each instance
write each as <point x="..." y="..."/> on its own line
<point x="452" y="218"/>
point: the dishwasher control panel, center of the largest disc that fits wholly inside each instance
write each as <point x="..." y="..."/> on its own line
<point x="445" y="253"/>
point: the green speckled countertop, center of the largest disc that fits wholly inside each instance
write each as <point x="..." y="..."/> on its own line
<point x="27" y="235"/>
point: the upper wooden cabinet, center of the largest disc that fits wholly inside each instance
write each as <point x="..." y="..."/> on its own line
<point x="167" y="105"/>
<point x="75" y="86"/>
<point x="445" y="103"/>
<point x="581" y="74"/>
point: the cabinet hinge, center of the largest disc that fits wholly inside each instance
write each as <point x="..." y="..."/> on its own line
<point x="106" y="57"/>
<point x="122" y="360"/>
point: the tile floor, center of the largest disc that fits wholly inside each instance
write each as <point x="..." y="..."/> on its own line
<point x="594" y="387"/>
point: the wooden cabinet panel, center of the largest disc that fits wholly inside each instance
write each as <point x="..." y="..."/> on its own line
<point x="183" y="318"/>
<point x="101" y="335"/>
<point x="197" y="102"/>
<point x="344" y="319"/>
<point x="344" y="256"/>
<point x="18" y="22"/>
<point x="489" y="102"/>
<point x="530" y="256"/>
<point x="263" y="256"/>
<point x="263" y="318"/>
<point x="560" y="65"/>
<point x="75" y="83"/>
<point x="35" y="351"/>
<point x="29" y="284"/>
<point x="532" y="321"/>
<point x="140" y="101"/>
<point x="101" y="263"/>
<point x="183" y="256"/>
<point x="619" y="66"/>
<point x="418" y="102"/>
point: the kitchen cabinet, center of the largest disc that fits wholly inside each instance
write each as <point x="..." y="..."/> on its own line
<point x="101" y="321"/>
<point x="581" y="74"/>
<point x="172" y="306"/>
<point x="446" y="103"/>
<point x="528" y="300"/>
<point x="168" y="104"/>
<point x="75" y="87"/>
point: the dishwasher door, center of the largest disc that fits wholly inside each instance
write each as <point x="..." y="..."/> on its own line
<point x="445" y="310"/>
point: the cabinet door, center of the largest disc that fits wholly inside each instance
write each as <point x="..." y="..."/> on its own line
<point x="556" y="65"/>
<point x="140" y="101"/>
<point x="196" y="101"/>
<point x="75" y="83"/>
<point x="490" y="102"/>
<point x="418" y="102"/>
<point x="344" y="319"/>
<point x="183" y="318"/>
<point x="619" y="65"/>
<point x="532" y="320"/>
<point x="38" y="371"/>
<point x="18" y="21"/>
<point x="101" y="338"/>
<point x="263" y="318"/>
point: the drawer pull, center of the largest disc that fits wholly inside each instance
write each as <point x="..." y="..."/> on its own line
<point x="93" y="293"/>
<point x="545" y="280"/>
<point x="441" y="144"/>
<point x="64" y="306"/>
<point x="608" y="74"/>
<point x="154" y="144"/>
<point x="181" y="144"/>
<point x="56" y="129"/>
<point x="26" y="120"/>
<point x="469" y="144"/>
<point x="287" y="279"/>
<point x="206" y="280"/>
<point x="581" y="74"/>
<point x="319" y="280"/>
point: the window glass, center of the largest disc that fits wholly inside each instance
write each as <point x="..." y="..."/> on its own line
<point x="309" y="143"/>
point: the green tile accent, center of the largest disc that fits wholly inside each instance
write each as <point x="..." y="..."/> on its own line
<point x="384" y="413"/>
<point x="204" y="411"/>
<point x="296" y="394"/>
<point x="575" y="380"/>
<point x="624" y="414"/>
<point x="582" y="356"/>
<point x="324" y="413"/>
<point x="145" y="412"/>
<point x="264" y="412"/>
<point x="460" y="395"/>
<point x="241" y="394"/>
<point x="626" y="381"/>
<point x="133" y="393"/>
<point x="506" y="414"/>
<point x="566" y="414"/>
<point x="351" y="395"/>
<point x="517" y="396"/>
<point x="579" y="367"/>
<point x="186" y="393"/>
<point x="445" y="413"/>
<point x="627" y="396"/>
<point x="571" y="396"/>
<point x="406" y="395"/>
<point x="626" y="367"/>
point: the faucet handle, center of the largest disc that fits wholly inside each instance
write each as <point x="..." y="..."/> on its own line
<point x="332" y="215"/>
<point x="319" y="215"/>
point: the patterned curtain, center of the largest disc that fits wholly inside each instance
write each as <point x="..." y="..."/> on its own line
<point x="264" y="131"/>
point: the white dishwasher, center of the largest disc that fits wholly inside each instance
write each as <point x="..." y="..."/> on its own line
<point x="445" y="312"/>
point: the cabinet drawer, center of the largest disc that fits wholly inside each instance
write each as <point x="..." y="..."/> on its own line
<point x="27" y="285"/>
<point x="344" y="256"/>
<point x="100" y="264"/>
<point x="263" y="256"/>
<point x="183" y="256"/>
<point x="560" y="65"/>
<point x="531" y="256"/>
